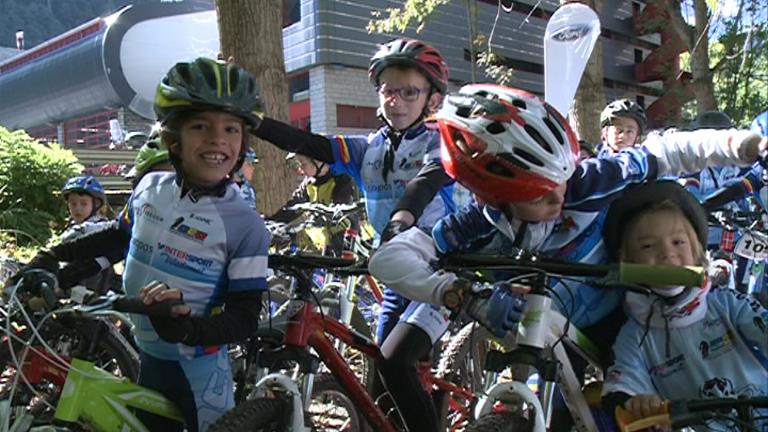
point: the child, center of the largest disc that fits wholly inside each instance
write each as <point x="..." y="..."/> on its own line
<point x="680" y="342"/>
<point x="320" y="185"/>
<point x="622" y="122"/>
<point x="85" y="197"/>
<point x="518" y="156"/>
<point x="244" y="178"/>
<point x="152" y="156"/>
<point x="410" y="78"/>
<point x="191" y="237"/>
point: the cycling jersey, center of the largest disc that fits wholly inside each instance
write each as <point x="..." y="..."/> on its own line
<point x="248" y="193"/>
<point x="760" y="124"/>
<point x="207" y="246"/>
<point x="104" y="281"/>
<point x="365" y="160"/>
<point x="720" y="353"/>
<point x="404" y="262"/>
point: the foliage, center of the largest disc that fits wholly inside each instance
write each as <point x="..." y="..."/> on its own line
<point x="43" y="19"/>
<point x="399" y="19"/>
<point x="31" y="174"/>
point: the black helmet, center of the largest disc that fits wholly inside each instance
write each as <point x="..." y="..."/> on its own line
<point x="207" y="84"/>
<point x="413" y="53"/>
<point x="623" y="108"/>
<point x="633" y="201"/>
<point x="711" y="120"/>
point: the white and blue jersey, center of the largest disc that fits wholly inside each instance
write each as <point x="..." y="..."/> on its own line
<point x="363" y="158"/>
<point x="206" y="246"/>
<point x="719" y="354"/>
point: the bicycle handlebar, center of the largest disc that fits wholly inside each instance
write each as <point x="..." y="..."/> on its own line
<point x="137" y="306"/>
<point x="682" y="413"/>
<point x="308" y="261"/>
<point x="627" y="273"/>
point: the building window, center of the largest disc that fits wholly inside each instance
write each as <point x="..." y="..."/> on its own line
<point x="638" y="55"/>
<point x="298" y="86"/>
<point x="291" y="12"/>
<point x="354" y="116"/>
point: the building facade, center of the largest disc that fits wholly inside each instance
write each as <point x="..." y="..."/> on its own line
<point x="70" y="87"/>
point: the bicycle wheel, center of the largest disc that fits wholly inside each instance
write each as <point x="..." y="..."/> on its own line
<point x="501" y="422"/>
<point x="331" y="409"/>
<point x="462" y="360"/>
<point x="257" y="415"/>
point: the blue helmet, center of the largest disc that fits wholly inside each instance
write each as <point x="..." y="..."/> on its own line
<point x="85" y="184"/>
<point x="760" y="123"/>
<point x="250" y="155"/>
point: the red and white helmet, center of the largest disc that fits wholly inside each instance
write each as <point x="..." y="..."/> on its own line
<point x="504" y="144"/>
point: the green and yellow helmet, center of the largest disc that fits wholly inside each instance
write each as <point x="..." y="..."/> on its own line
<point x="206" y="84"/>
<point x="152" y="153"/>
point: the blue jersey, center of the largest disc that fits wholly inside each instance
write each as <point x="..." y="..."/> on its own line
<point x="363" y="158"/>
<point x="205" y="246"/>
<point x="720" y="354"/>
<point x="575" y="236"/>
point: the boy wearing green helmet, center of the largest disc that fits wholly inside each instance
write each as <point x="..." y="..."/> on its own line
<point x="191" y="239"/>
<point x="152" y="156"/>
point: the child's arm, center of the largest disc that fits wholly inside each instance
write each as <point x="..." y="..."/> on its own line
<point x="295" y="140"/>
<point x="300" y="195"/>
<point x="404" y="264"/>
<point x="748" y="316"/>
<point x="751" y="182"/>
<point x="627" y="379"/>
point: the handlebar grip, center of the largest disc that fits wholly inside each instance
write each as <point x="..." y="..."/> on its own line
<point x="629" y="423"/>
<point x="137" y="306"/>
<point x="661" y="275"/>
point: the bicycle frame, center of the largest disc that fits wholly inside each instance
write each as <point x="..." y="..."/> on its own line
<point x="308" y="328"/>
<point x="541" y="329"/>
<point x="103" y="400"/>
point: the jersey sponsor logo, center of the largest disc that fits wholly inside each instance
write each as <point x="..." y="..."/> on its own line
<point x="405" y="164"/>
<point x="150" y="212"/>
<point x="142" y="246"/>
<point x="375" y="164"/>
<point x="663" y="370"/>
<point x="186" y="231"/>
<point x="199" y="218"/>
<point x="180" y="258"/>
<point x="715" y="347"/>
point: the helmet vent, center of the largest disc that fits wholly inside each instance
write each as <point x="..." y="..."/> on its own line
<point x="183" y="71"/>
<point x="464" y="111"/>
<point x="495" y="128"/>
<point x="538" y="138"/>
<point x="528" y="157"/>
<point x="520" y="104"/>
<point x="210" y="78"/>
<point x="514" y="160"/>
<point x="495" y="167"/>
<point x="555" y="131"/>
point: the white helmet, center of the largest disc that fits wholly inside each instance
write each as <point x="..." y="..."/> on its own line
<point x="505" y="144"/>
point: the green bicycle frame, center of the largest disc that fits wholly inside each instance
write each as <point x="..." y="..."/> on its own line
<point x="104" y="401"/>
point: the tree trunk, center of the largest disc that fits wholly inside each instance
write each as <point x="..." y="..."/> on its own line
<point x="697" y="39"/>
<point x="251" y="32"/>
<point x="590" y="96"/>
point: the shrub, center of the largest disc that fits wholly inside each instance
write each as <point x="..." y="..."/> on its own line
<point x="31" y="175"/>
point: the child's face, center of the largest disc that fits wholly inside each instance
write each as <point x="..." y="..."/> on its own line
<point x="80" y="206"/>
<point x="403" y="95"/>
<point x="621" y="134"/>
<point x="660" y="238"/>
<point x="211" y="145"/>
<point x="541" y="209"/>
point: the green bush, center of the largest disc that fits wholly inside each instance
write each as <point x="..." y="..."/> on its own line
<point x="31" y="174"/>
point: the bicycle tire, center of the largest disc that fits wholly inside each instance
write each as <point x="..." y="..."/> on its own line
<point x="257" y="415"/>
<point x="501" y="422"/>
<point x="326" y="388"/>
<point x="468" y="345"/>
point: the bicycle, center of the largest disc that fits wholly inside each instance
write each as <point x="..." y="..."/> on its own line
<point x="306" y="329"/>
<point x="513" y="405"/>
<point x="38" y="345"/>
<point x="740" y="412"/>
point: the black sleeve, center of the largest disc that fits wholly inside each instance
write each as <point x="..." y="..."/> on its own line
<point x="422" y="189"/>
<point x="75" y="272"/>
<point x="723" y="196"/>
<point x="343" y="190"/>
<point x="106" y="242"/>
<point x="300" y="195"/>
<point x="238" y="321"/>
<point x="295" y="140"/>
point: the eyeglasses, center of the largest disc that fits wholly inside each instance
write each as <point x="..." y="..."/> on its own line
<point x="408" y="94"/>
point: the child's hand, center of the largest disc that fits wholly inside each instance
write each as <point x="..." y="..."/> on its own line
<point x="156" y="292"/>
<point x="644" y="405"/>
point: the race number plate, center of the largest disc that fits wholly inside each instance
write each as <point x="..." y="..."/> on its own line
<point x="752" y="245"/>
